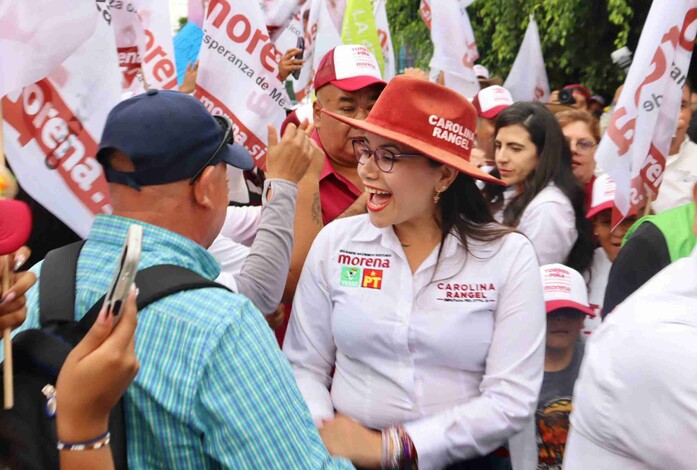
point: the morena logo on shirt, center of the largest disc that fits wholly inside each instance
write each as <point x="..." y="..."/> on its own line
<point x="467" y="292"/>
<point x="368" y="261"/>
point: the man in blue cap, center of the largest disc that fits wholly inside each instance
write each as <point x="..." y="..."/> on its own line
<point x="213" y="389"/>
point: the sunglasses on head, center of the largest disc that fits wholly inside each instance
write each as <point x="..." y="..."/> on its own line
<point x="228" y="139"/>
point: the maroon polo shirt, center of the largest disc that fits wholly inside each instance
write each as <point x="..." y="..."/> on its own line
<point x="336" y="193"/>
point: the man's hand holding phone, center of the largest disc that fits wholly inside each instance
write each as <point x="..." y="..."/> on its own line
<point x="96" y="374"/>
<point x="292" y="61"/>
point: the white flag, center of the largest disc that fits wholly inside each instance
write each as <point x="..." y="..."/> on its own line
<point x="158" y="58"/>
<point x="454" y="46"/>
<point x="288" y="39"/>
<point x="36" y="36"/>
<point x="145" y="46"/>
<point x="633" y="150"/>
<point x="321" y="36"/>
<point x="277" y="14"/>
<point x="52" y="128"/>
<point x="238" y="73"/>
<point x="385" y="40"/>
<point x="527" y="80"/>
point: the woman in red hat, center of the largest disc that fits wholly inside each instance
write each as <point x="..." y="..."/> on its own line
<point x="417" y="332"/>
<point x="544" y="200"/>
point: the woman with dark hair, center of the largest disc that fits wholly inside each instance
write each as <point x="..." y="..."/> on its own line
<point x="417" y="332"/>
<point x="545" y="201"/>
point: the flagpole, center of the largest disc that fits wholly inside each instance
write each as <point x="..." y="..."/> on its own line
<point x="7" y="376"/>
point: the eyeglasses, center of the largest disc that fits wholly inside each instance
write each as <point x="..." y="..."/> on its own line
<point x="384" y="159"/>
<point x="228" y="138"/>
<point x="583" y="145"/>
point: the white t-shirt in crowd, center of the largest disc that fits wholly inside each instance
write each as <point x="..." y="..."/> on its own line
<point x="455" y="355"/>
<point x="599" y="273"/>
<point x="679" y="178"/>
<point x="549" y="222"/>
<point x="635" y="402"/>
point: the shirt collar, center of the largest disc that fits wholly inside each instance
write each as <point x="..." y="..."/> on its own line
<point x="328" y="169"/>
<point x="388" y="238"/>
<point x="165" y="244"/>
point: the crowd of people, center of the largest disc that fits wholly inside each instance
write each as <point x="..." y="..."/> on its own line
<point x="442" y="268"/>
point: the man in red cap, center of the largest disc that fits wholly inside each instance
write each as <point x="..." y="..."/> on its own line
<point x="347" y="82"/>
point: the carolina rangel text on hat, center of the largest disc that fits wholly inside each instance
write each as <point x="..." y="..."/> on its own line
<point x="404" y="112"/>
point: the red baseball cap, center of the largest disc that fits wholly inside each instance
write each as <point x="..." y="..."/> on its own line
<point x="564" y="287"/>
<point x="440" y="123"/>
<point x="490" y="101"/>
<point x="15" y="225"/>
<point x="603" y="196"/>
<point x="349" y="68"/>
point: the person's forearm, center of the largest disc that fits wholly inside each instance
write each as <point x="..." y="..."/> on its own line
<point x="263" y="275"/>
<point x="308" y="223"/>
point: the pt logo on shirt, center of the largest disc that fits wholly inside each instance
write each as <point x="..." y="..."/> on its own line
<point x="372" y="279"/>
<point x="350" y="276"/>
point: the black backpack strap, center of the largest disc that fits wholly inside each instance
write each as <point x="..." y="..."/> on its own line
<point x="154" y="283"/>
<point x="57" y="285"/>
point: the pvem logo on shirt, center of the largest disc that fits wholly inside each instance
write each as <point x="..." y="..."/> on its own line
<point x="466" y="292"/>
<point x="356" y="269"/>
<point x="350" y="276"/>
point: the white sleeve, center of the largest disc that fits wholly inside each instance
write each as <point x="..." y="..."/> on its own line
<point x="512" y="379"/>
<point x="231" y="257"/>
<point x="551" y="227"/>
<point x="241" y="224"/>
<point x="309" y="341"/>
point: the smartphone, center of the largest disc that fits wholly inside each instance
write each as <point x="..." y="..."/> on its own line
<point x="125" y="272"/>
<point x="300" y="45"/>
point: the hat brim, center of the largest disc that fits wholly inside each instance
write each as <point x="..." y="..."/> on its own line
<point x="357" y="83"/>
<point x="431" y="151"/>
<point x="15" y="225"/>
<point x="493" y="112"/>
<point x="553" y="305"/>
<point x="238" y="156"/>
<point x="595" y="210"/>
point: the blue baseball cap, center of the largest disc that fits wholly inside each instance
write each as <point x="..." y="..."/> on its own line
<point x="168" y="136"/>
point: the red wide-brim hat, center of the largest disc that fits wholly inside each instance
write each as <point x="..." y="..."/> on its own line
<point x="430" y="118"/>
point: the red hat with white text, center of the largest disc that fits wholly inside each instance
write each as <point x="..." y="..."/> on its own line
<point x="603" y="195"/>
<point x="490" y="101"/>
<point x="564" y="288"/>
<point x="436" y="121"/>
<point x="348" y="68"/>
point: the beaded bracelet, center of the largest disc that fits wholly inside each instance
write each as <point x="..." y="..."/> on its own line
<point x="93" y="444"/>
<point x="398" y="450"/>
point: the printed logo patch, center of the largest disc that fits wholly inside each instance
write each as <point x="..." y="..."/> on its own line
<point x="350" y="276"/>
<point x="372" y="279"/>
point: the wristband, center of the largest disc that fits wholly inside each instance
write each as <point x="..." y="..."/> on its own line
<point x="93" y="444"/>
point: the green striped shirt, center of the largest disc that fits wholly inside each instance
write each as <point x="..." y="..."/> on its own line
<point x="214" y="389"/>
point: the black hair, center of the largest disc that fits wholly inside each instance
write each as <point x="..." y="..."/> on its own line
<point x="554" y="166"/>
<point x="464" y="209"/>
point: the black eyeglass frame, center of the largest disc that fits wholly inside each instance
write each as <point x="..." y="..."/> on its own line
<point x="228" y="138"/>
<point x="378" y="158"/>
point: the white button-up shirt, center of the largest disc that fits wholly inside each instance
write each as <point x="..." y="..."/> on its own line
<point x="679" y="178"/>
<point x="456" y="355"/>
<point x="635" y="401"/>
